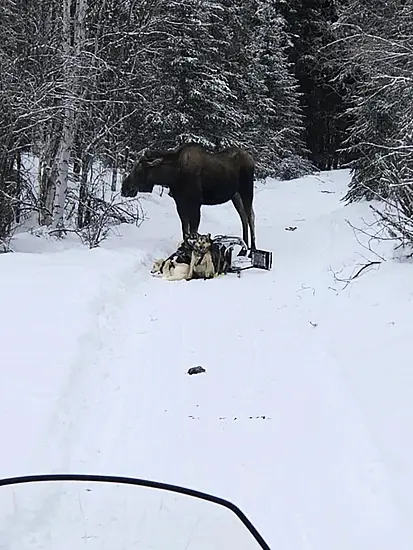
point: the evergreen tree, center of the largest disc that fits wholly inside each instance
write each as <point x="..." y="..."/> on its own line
<point x="275" y="128"/>
<point x="192" y="99"/>
<point x="309" y="24"/>
<point x="223" y="78"/>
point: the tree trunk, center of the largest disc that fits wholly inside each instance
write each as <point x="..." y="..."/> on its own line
<point x="82" y="210"/>
<point x="18" y="191"/>
<point x="46" y="183"/>
<point x="63" y="159"/>
<point x="114" y="178"/>
<point x="73" y="39"/>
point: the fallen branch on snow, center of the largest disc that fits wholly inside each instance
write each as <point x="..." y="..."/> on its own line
<point x="357" y="274"/>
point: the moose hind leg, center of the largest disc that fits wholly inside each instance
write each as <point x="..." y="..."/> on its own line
<point x="239" y="207"/>
<point x="247" y="199"/>
<point x="251" y="220"/>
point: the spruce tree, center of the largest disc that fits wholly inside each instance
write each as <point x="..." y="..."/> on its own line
<point x="223" y="78"/>
<point x="276" y="125"/>
<point x="191" y="98"/>
<point x="309" y="24"/>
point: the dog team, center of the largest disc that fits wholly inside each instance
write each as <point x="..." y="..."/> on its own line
<point x="195" y="258"/>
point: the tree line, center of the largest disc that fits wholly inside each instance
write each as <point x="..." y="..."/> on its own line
<point x="302" y="84"/>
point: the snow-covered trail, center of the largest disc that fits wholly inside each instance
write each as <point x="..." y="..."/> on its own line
<point x="275" y="423"/>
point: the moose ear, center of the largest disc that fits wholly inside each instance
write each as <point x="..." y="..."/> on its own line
<point x="153" y="163"/>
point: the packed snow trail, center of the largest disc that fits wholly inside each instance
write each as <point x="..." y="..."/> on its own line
<point x="276" y="424"/>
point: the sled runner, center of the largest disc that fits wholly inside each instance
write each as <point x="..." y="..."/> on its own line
<point x="246" y="258"/>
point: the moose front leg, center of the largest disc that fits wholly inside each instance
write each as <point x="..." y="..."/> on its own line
<point x="183" y="214"/>
<point x="185" y="228"/>
<point x="194" y="218"/>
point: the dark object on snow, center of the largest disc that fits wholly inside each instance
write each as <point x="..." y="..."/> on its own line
<point x="196" y="177"/>
<point x="196" y="370"/>
<point x="291" y="228"/>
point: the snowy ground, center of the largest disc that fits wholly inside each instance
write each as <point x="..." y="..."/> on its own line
<point x="304" y="417"/>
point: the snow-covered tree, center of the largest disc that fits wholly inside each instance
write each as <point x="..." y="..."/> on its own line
<point x="223" y="78"/>
<point x="274" y="126"/>
<point x="191" y="95"/>
<point x="84" y="64"/>
<point x="15" y="110"/>
<point x="378" y="46"/>
<point x="87" y="81"/>
<point x="310" y="30"/>
<point x="379" y="50"/>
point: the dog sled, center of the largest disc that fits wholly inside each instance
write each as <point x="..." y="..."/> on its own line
<point x="204" y="257"/>
<point x="245" y="258"/>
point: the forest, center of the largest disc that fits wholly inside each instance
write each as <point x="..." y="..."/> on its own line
<point x="304" y="85"/>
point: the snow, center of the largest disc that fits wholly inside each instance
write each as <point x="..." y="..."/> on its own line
<point x="303" y="417"/>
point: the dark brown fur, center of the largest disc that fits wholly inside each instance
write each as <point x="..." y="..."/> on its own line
<point x="196" y="177"/>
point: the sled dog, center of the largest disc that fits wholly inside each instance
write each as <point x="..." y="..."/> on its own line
<point x="170" y="270"/>
<point x="176" y="266"/>
<point x="201" y="265"/>
<point x="192" y="260"/>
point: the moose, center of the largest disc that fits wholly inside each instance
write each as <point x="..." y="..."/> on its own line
<point x="196" y="177"/>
